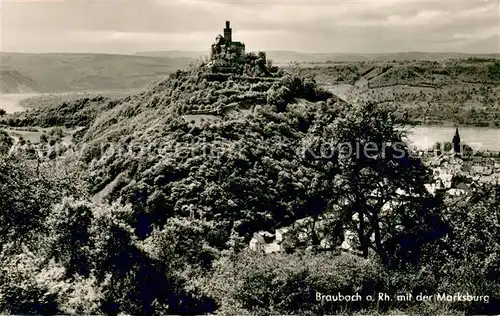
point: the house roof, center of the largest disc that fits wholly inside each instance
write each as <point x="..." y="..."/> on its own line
<point x="262" y="236"/>
<point x="463" y="186"/>
<point x="259" y="238"/>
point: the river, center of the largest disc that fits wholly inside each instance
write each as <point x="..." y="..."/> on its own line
<point x="479" y="138"/>
<point x="10" y="101"/>
<point x="423" y="137"/>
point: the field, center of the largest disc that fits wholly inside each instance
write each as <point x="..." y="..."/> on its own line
<point x="50" y="99"/>
<point x="33" y="134"/>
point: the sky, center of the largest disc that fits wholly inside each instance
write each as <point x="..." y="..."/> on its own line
<point x="327" y="26"/>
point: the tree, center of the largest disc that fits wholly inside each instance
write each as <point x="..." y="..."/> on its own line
<point x="448" y="146"/>
<point x="56" y="133"/>
<point x="43" y="138"/>
<point x="28" y="191"/>
<point x="6" y="143"/>
<point x="466" y="150"/>
<point x="2" y="112"/>
<point x="379" y="191"/>
<point x="468" y="258"/>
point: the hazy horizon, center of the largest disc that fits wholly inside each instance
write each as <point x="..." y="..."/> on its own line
<point x="269" y="50"/>
<point x="335" y="27"/>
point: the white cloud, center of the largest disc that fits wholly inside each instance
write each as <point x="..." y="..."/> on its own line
<point x="480" y="34"/>
<point x="100" y="36"/>
<point x="334" y="25"/>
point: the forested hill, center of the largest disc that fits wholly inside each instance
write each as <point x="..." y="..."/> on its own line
<point x="455" y="91"/>
<point x="143" y="147"/>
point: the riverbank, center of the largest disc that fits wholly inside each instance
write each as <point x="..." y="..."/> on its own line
<point x="10" y="102"/>
<point x="18" y="102"/>
<point x="454" y="125"/>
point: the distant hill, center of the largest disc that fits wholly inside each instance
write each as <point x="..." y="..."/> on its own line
<point x="58" y="72"/>
<point x="284" y="56"/>
<point x="458" y="91"/>
<point x="290" y="56"/>
<point x="175" y="54"/>
<point x="12" y="81"/>
<point x="82" y="72"/>
<point x="490" y="44"/>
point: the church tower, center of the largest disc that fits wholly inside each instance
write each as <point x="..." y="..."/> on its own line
<point x="228" y="33"/>
<point x="456" y="143"/>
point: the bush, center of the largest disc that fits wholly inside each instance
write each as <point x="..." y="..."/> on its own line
<point x="288" y="283"/>
<point x="6" y="143"/>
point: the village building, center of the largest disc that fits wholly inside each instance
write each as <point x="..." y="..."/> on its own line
<point x="431" y="188"/>
<point x="457" y="192"/>
<point x="448" y="170"/>
<point x="280" y="233"/>
<point x="260" y="240"/>
<point x="299" y="233"/>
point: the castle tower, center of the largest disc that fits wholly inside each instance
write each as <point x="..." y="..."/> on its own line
<point x="456" y="143"/>
<point x="228" y="33"/>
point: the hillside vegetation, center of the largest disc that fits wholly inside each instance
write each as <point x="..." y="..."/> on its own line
<point x="462" y="91"/>
<point x="152" y="208"/>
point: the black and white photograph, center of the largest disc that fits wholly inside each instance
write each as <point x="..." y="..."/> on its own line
<point x="239" y="157"/>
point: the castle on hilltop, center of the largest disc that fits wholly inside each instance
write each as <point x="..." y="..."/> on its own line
<point x="228" y="58"/>
<point x="225" y="53"/>
<point x="224" y="45"/>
